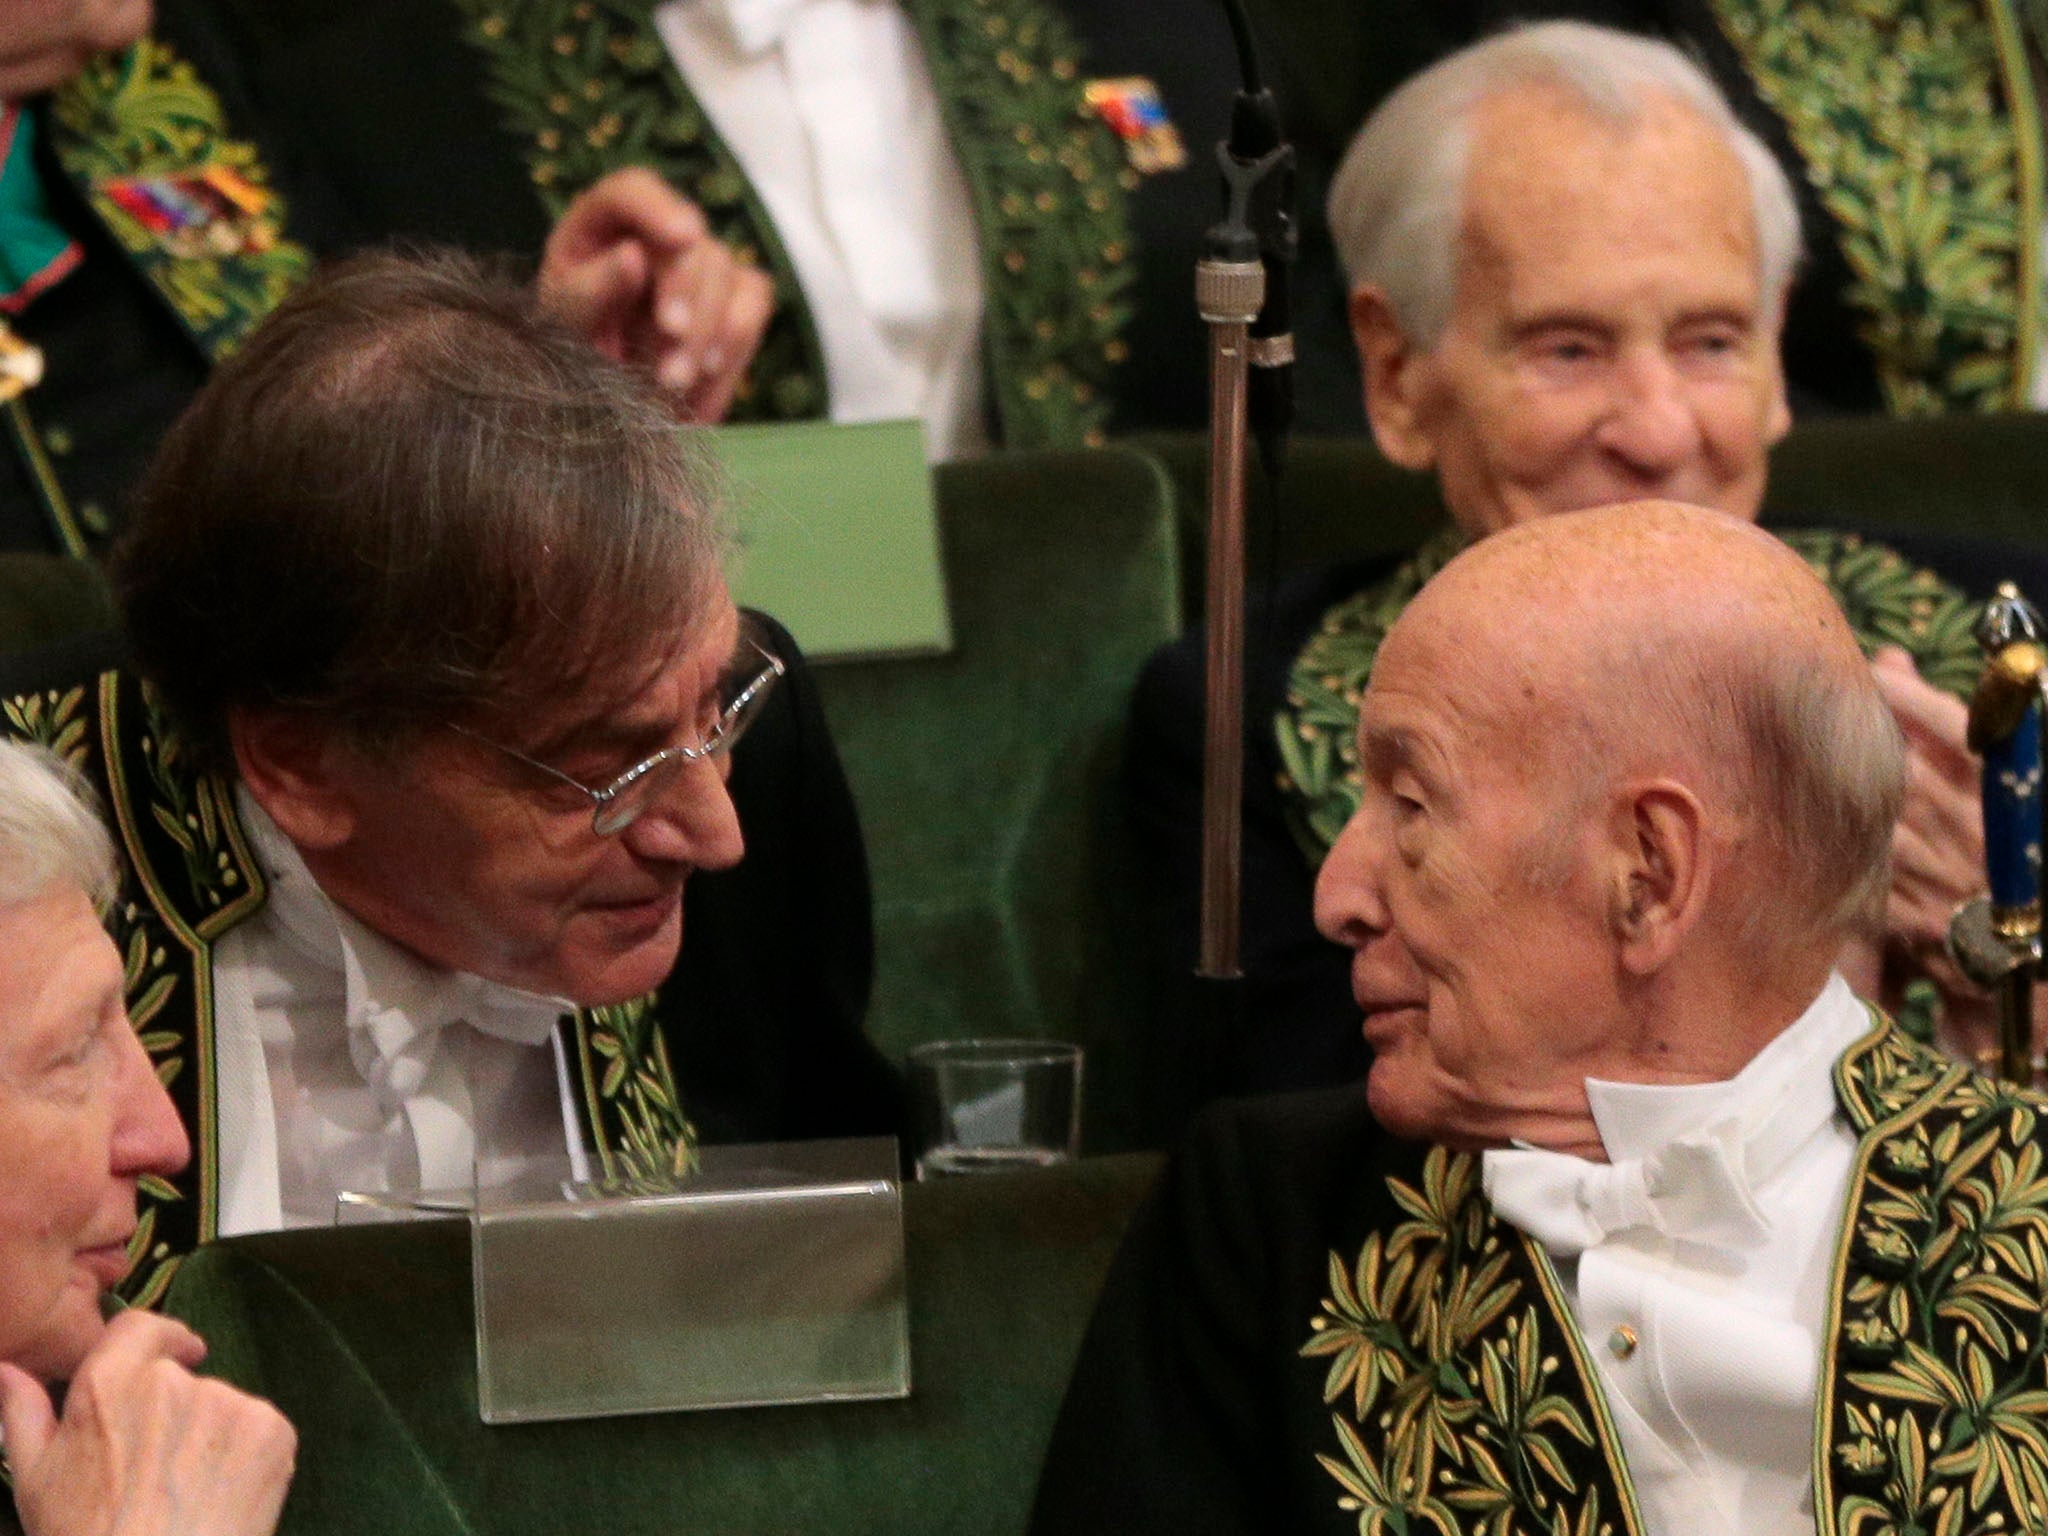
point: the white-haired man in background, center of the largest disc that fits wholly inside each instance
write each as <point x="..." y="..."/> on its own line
<point x="142" y="1446"/>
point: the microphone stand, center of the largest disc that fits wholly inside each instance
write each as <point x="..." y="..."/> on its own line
<point x="1241" y="294"/>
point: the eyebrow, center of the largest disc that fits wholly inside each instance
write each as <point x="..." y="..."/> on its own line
<point x="1385" y="749"/>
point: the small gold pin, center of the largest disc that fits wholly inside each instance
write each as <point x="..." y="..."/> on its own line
<point x="21" y="365"/>
<point x="1622" y="1342"/>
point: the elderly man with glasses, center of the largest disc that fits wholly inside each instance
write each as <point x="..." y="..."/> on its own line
<point x="423" y="763"/>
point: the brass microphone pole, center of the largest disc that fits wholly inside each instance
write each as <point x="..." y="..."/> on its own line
<point x="1242" y="294"/>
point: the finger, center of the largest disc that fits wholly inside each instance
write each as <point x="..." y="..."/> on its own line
<point x="27" y="1421"/>
<point x="137" y="1337"/>
<point x="631" y="204"/>
<point x="1941" y="810"/>
<point x="1924" y="712"/>
<point x="715" y="296"/>
<point x="1940" y="870"/>
<point x="31" y="74"/>
<point x="599" y="296"/>
<point x="746" y="321"/>
<point x="690" y="290"/>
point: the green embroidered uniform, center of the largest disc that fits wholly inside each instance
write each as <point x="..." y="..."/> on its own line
<point x="587" y="89"/>
<point x="1314" y="1327"/>
<point x="1921" y="136"/>
<point x="545" y="97"/>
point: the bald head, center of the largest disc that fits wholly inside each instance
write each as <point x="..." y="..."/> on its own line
<point x="1659" y="639"/>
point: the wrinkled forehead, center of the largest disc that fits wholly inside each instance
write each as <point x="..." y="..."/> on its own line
<point x="1553" y="185"/>
<point x="642" y="688"/>
<point x="1500" y="665"/>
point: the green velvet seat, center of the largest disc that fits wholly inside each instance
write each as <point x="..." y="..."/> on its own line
<point x="986" y="777"/>
<point x="48" y="598"/>
<point x="364" y="1337"/>
<point x="1962" y="478"/>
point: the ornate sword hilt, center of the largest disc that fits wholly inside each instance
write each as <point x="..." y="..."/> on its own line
<point x="1996" y="939"/>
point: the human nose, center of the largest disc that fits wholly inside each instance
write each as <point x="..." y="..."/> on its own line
<point x="148" y="1135"/>
<point x="693" y="821"/>
<point x="1650" y="424"/>
<point x="1350" y="905"/>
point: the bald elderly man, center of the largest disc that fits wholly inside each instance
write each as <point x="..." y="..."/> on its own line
<point x="1569" y="264"/>
<point x="1643" y="1222"/>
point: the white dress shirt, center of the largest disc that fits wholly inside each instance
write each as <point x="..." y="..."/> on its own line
<point x="346" y="1063"/>
<point x="830" y="110"/>
<point x="1702" y="1301"/>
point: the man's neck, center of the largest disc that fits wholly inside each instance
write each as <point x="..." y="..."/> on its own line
<point x="1693" y="1028"/>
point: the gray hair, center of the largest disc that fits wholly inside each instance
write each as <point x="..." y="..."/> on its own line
<point x="1398" y="198"/>
<point x="1811" y="762"/>
<point x="412" y="498"/>
<point x="50" y="835"/>
<point x="1815" y="772"/>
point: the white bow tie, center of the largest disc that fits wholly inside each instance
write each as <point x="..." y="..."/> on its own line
<point x="393" y="1041"/>
<point x="1694" y="1188"/>
<point x="757" y="25"/>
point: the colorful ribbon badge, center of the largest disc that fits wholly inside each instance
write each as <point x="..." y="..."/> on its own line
<point x="212" y="211"/>
<point x="1132" y="109"/>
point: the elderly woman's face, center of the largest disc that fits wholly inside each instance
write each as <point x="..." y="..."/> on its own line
<point x="82" y="1116"/>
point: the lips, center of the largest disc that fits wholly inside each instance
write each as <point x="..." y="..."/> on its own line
<point x="1386" y="1021"/>
<point x="645" y="914"/>
<point x="107" y="1264"/>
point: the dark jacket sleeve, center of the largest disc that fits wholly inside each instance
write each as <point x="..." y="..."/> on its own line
<point x="1292" y="1024"/>
<point x="1191" y="1410"/>
<point x="765" y="1010"/>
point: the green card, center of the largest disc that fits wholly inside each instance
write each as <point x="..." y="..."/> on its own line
<point x="838" y="536"/>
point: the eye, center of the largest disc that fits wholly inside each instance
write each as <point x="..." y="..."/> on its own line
<point x="1563" y="353"/>
<point x="1714" y="343"/>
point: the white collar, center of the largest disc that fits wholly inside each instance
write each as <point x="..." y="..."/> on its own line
<point x="1685" y="1161"/>
<point x="392" y="994"/>
<point x="1781" y="1097"/>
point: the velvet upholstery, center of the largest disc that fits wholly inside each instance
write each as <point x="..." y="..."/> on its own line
<point x="1956" y="491"/>
<point x="48" y="598"/>
<point x="985" y="777"/>
<point x="364" y="1337"/>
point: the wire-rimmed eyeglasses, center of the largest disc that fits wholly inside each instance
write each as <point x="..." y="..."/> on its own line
<point x="745" y="681"/>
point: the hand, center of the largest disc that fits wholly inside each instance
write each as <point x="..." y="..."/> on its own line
<point x="43" y="43"/>
<point x="145" y="1448"/>
<point x="632" y="264"/>
<point x="1938" y="847"/>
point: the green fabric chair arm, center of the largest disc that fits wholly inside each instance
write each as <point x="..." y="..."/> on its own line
<point x="364" y="1336"/>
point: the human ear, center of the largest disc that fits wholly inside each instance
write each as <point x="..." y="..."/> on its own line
<point x="1392" y="369"/>
<point x="288" y="760"/>
<point x="1658" y="873"/>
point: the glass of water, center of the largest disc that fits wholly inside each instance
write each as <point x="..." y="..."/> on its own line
<point x="994" y="1106"/>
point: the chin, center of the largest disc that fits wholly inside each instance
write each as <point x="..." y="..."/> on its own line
<point x="1391" y="1094"/>
<point x="59" y="1346"/>
<point x="638" y="960"/>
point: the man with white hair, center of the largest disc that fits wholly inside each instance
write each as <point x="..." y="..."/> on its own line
<point x="142" y="1445"/>
<point x="1569" y="266"/>
<point x="1644" y="1223"/>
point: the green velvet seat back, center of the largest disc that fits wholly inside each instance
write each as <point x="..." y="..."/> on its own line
<point x="47" y="598"/>
<point x="363" y="1336"/>
<point x="1963" y="477"/>
<point x="986" y="778"/>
